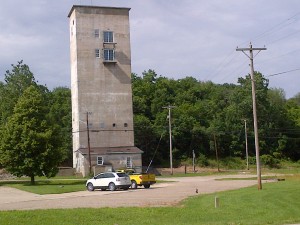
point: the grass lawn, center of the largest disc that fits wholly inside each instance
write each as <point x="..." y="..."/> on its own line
<point x="51" y="186"/>
<point x="277" y="203"/>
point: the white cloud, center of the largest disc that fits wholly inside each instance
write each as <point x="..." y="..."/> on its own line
<point x="176" y="38"/>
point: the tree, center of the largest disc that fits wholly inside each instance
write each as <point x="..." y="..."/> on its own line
<point x="205" y="111"/>
<point x="61" y="115"/>
<point x="30" y="143"/>
<point x="16" y="81"/>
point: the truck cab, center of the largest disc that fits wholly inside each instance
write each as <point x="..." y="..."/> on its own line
<point x="139" y="179"/>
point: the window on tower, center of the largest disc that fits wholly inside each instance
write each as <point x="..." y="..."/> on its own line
<point x="109" y="54"/>
<point x="97" y="53"/>
<point x="96" y="32"/>
<point x="108" y="37"/>
<point x="100" y="160"/>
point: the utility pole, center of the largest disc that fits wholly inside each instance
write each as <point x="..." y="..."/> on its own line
<point x="169" y="107"/>
<point x="194" y="158"/>
<point x="88" y="140"/>
<point x="250" y="56"/>
<point x="246" y="140"/>
<point x="217" y="154"/>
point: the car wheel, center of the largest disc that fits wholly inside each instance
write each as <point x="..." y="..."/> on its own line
<point x="133" y="184"/>
<point x="146" y="185"/>
<point x="112" y="186"/>
<point x="90" y="187"/>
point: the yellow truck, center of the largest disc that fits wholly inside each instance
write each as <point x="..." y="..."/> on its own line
<point x="139" y="179"/>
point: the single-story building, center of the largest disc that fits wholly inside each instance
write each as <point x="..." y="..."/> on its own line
<point x="108" y="159"/>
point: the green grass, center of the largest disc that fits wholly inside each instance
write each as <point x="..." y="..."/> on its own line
<point x="277" y="203"/>
<point x="50" y="186"/>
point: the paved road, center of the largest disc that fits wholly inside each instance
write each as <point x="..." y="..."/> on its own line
<point x="161" y="194"/>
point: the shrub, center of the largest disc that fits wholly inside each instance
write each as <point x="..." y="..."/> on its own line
<point x="233" y="163"/>
<point x="270" y="161"/>
<point x="202" y="161"/>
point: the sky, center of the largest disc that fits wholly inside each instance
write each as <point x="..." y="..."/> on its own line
<point x="175" y="38"/>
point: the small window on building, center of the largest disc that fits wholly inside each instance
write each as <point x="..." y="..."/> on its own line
<point x="100" y="160"/>
<point x="128" y="162"/>
<point x="109" y="54"/>
<point x="125" y="125"/>
<point x="108" y="37"/>
<point x="96" y="32"/>
<point x="97" y="53"/>
<point x="114" y="125"/>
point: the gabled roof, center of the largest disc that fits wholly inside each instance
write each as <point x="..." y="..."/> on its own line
<point x="110" y="150"/>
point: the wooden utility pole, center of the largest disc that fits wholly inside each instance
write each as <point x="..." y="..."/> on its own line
<point x="250" y="56"/>
<point x="216" y="149"/>
<point x="246" y="140"/>
<point x="88" y="140"/>
<point x="194" y="158"/>
<point x="169" y="107"/>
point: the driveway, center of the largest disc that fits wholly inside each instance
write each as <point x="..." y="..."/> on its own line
<point x="162" y="194"/>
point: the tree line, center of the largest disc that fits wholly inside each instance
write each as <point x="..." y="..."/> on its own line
<point x="207" y="116"/>
<point x="36" y="129"/>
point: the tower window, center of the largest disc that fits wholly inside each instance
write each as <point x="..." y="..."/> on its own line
<point x="96" y="32"/>
<point x="109" y="54"/>
<point x="97" y="53"/>
<point x="125" y="125"/>
<point x="100" y="160"/>
<point x="108" y="37"/>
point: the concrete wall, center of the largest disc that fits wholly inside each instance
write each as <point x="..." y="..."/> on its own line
<point x="102" y="89"/>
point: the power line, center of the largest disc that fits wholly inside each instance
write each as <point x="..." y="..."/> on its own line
<point x="278" y="56"/>
<point x="228" y="59"/>
<point x="277" y="27"/>
<point x="276" y="74"/>
<point x="284" y="37"/>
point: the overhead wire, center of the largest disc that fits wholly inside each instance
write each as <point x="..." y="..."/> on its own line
<point x="273" y="29"/>
<point x="276" y="74"/>
<point x="277" y="27"/>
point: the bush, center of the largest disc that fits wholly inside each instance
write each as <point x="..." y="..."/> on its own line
<point x="270" y="161"/>
<point x="202" y="161"/>
<point x="233" y="163"/>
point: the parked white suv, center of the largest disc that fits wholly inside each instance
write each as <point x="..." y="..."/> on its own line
<point x="109" y="180"/>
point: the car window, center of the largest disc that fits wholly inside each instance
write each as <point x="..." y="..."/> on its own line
<point x="101" y="175"/>
<point x="109" y="175"/>
<point x="122" y="174"/>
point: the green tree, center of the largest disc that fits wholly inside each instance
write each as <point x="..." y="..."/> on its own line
<point x="61" y="115"/>
<point x="16" y="81"/>
<point x="30" y="145"/>
<point x="205" y="110"/>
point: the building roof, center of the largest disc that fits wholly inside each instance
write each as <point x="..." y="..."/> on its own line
<point x="97" y="8"/>
<point x="110" y="150"/>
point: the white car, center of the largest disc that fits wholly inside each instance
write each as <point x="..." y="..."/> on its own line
<point x="109" y="180"/>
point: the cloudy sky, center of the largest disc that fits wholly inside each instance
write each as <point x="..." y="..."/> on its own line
<point x="176" y="38"/>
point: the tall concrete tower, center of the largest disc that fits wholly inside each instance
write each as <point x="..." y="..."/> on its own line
<point x="102" y="117"/>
